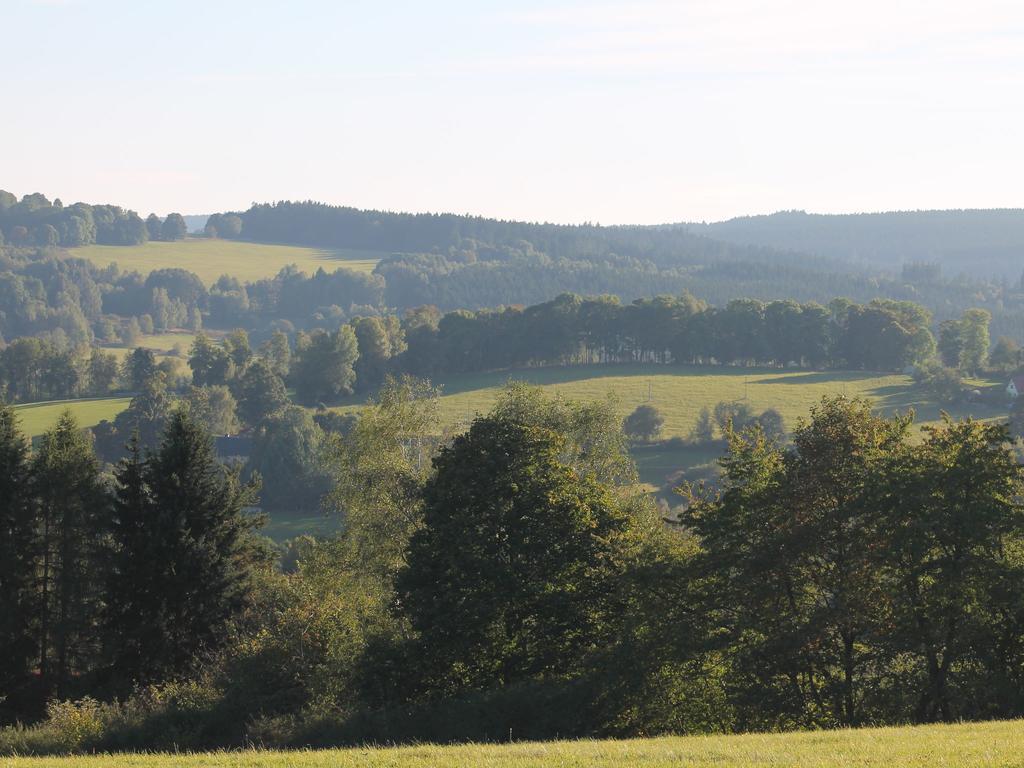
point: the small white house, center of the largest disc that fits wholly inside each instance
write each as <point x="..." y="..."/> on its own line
<point x="1015" y="387"/>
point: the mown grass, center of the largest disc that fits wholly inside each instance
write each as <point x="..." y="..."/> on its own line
<point x="36" y="418"/>
<point x="963" y="746"/>
<point x="209" y="259"/>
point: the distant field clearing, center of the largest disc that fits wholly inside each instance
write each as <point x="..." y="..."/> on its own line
<point x="680" y="392"/>
<point x="209" y="259"/>
<point x="36" y="418"/>
<point x="970" y="745"/>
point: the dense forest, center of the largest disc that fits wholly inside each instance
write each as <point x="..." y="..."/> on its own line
<point x="451" y="262"/>
<point x="979" y="243"/>
<point x="471" y="262"/>
<point x="509" y="577"/>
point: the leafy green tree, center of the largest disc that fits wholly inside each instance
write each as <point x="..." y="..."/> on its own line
<point x="154" y="227"/>
<point x="183" y="560"/>
<point x="72" y="501"/>
<point x="210" y="363"/>
<point x="145" y="417"/>
<point x="131" y="332"/>
<point x="1006" y="354"/>
<point x="733" y="416"/>
<point x="507" y="578"/>
<point x="214" y="407"/>
<point x="322" y="366"/>
<point x="288" y="455"/>
<point x="644" y="423"/>
<point x="772" y="424"/>
<point x="379" y="340"/>
<point x="379" y="467"/>
<point x="173" y="227"/>
<point x="951" y="343"/>
<point x="261" y="393"/>
<point x="975" y="339"/>
<point x="139" y="368"/>
<point x="952" y="515"/>
<point x="236" y="344"/>
<point x="103" y="371"/>
<point x="278" y="352"/>
<point x="789" y="549"/>
<point x="19" y="548"/>
<point x="704" y="430"/>
<point x="945" y="385"/>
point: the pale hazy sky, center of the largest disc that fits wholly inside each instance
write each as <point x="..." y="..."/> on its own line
<point x="614" y="112"/>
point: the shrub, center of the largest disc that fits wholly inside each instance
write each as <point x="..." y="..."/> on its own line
<point x="644" y="423"/>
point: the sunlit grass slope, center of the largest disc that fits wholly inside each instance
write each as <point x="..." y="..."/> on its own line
<point x="680" y="393"/>
<point x="964" y="746"/>
<point x="36" y="418"/>
<point x="209" y="259"/>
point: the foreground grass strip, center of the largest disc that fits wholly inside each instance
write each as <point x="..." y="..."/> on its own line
<point x="960" y="746"/>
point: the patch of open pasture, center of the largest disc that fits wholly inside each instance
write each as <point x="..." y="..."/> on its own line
<point x="681" y="392"/>
<point x="36" y="418"/>
<point x="210" y="258"/>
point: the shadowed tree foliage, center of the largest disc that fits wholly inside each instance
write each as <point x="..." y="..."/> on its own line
<point x="72" y="508"/>
<point x="644" y="423"/>
<point x="182" y="555"/>
<point x="508" y="577"/>
<point x="19" y="549"/>
<point x="322" y="365"/>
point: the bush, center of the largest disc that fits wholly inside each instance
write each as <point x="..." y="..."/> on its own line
<point x="644" y="423"/>
<point x="70" y="726"/>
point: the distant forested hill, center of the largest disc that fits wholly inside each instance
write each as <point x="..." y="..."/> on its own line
<point x="326" y="226"/>
<point x="980" y="243"/>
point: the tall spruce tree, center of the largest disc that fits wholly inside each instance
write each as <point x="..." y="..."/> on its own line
<point x="183" y="557"/>
<point x="72" y="500"/>
<point x="18" y="551"/>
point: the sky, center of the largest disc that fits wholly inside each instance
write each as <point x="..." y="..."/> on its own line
<point x="611" y="112"/>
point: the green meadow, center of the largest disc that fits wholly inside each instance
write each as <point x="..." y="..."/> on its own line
<point x="209" y="259"/>
<point x="680" y="392"/>
<point x="161" y="344"/>
<point x="980" y="745"/>
<point x="36" y="418"/>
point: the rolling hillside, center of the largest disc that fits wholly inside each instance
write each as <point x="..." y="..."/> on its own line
<point x="968" y="745"/>
<point x="680" y="392"/>
<point x="210" y="259"/>
<point x="980" y="243"/>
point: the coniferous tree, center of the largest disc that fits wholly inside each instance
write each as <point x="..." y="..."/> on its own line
<point x="183" y="557"/>
<point x="72" y="501"/>
<point x="18" y="550"/>
<point x="129" y="588"/>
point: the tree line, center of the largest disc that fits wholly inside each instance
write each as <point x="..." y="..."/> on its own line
<point x="105" y="582"/>
<point x="512" y="576"/>
<point x="45" y="294"/>
<point x="36" y="221"/>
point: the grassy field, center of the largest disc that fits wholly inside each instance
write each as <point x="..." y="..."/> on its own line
<point x="210" y="259"/>
<point x="964" y="746"/>
<point x="36" y="418"/>
<point x="161" y="344"/>
<point x="680" y="393"/>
